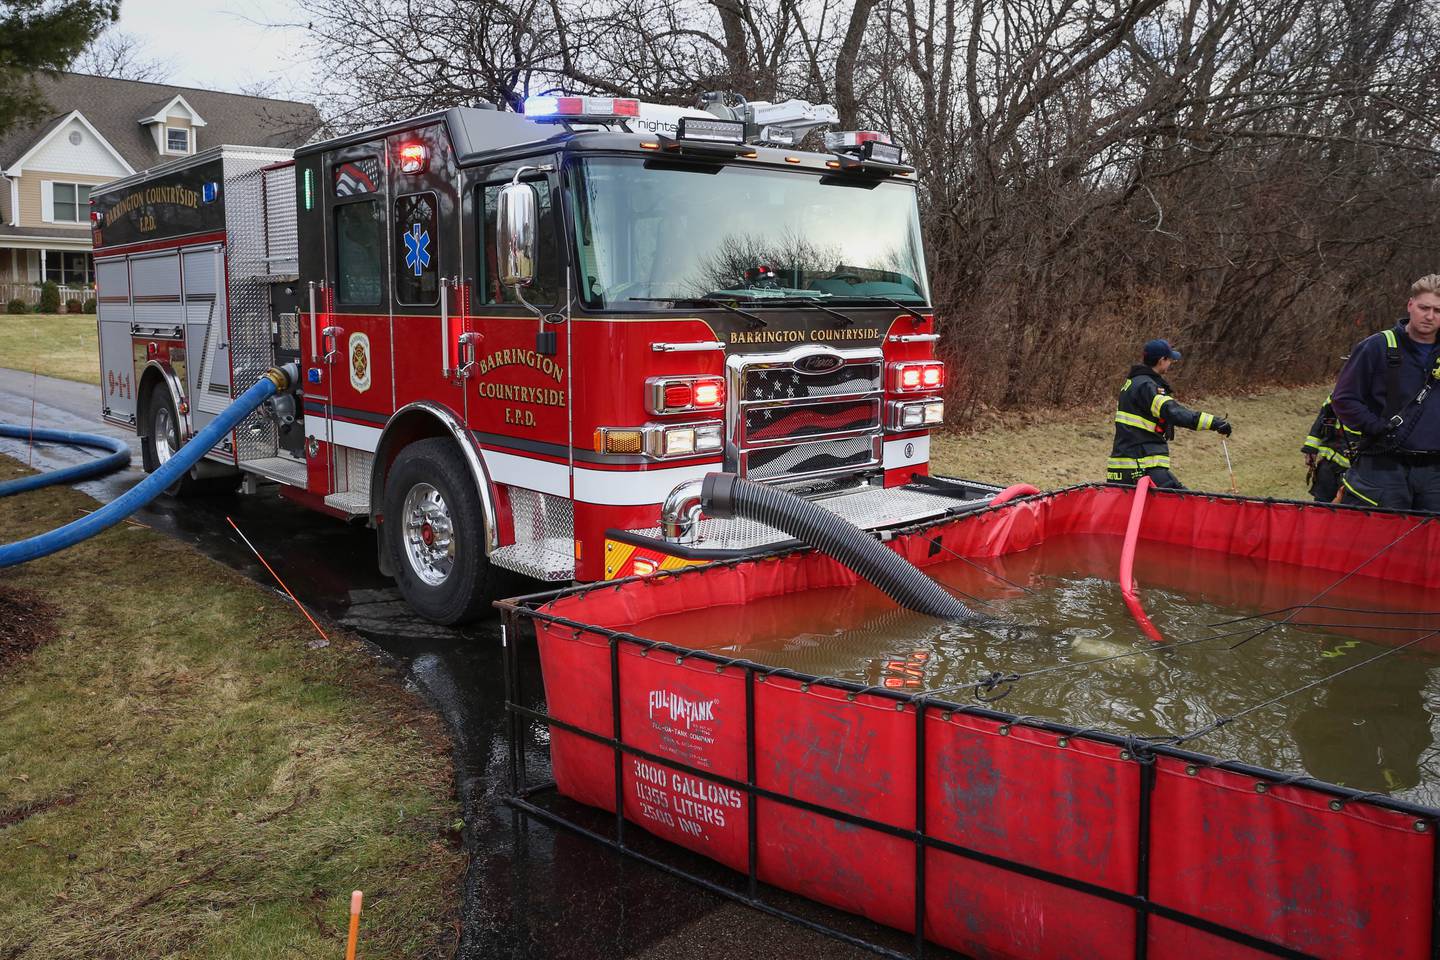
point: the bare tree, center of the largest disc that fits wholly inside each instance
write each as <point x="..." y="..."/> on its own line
<point x="1255" y="178"/>
<point x="122" y="56"/>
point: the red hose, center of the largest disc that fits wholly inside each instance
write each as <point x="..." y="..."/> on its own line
<point x="1127" y="562"/>
<point x="1013" y="491"/>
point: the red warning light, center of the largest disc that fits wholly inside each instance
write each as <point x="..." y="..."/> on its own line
<point x="678" y="394"/>
<point x="414" y="158"/>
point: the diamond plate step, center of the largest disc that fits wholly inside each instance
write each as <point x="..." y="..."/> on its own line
<point x="551" y="559"/>
<point x="353" y="502"/>
<point x="282" y="469"/>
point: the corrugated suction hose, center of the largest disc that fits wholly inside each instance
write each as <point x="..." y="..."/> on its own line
<point x="726" y="495"/>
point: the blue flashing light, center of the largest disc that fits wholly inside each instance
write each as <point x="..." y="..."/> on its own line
<point x="209" y="192"/>
<point x="542" y="106"/>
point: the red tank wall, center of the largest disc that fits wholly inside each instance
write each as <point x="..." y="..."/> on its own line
<point x="1280" y="863"/>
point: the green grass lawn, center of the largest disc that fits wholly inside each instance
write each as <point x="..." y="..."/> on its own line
<point x="1062" y="447"/>
<point x="54" y="344"/>
<point x="186" y="771"/>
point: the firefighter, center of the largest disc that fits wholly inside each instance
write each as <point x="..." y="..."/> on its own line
<point x="1382" y="394"/>
<point x="1325" y="459"/>
<point x="1146" y="418"/>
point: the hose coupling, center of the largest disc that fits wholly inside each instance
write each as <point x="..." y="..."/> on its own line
<point x="718" y="494"/>
<point x="286" y="378"/>
<point x="680" y="515"/>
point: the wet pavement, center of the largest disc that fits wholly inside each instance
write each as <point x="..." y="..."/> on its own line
<point x="532" y="891"/>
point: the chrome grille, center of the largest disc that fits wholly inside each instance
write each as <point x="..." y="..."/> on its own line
<point x="782" y="423"/>
<point x="787" y="422"/>
<point x="779" y="380"/>
<point x="805" y="459"/>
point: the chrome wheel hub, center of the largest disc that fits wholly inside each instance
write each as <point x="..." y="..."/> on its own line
<point x="428" y="534"/>
<point x="163" y="430"/>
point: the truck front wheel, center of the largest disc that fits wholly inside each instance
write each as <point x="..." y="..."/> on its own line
<point x="435" y="531"/>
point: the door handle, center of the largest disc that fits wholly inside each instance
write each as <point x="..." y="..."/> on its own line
<point x="467" y="353"/>
<point x="332" y="337"/>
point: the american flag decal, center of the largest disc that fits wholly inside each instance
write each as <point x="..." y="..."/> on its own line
<point x="357" y="176"/>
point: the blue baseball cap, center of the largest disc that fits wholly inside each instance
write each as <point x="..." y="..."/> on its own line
<point x="1159" y="350"/>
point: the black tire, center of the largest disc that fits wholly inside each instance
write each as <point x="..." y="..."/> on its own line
<point x="429" y="485"/>
<point x="159" y="415"/>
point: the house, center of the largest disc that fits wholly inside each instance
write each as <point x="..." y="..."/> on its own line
<point x="101" y="129"/>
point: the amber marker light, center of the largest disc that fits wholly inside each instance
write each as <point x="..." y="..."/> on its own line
<point x="792" y="159"/>
<point x="609" y="440"/>
<point x="649" y="145"/>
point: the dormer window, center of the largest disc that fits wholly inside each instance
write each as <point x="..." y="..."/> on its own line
<point x="173" y="125"/>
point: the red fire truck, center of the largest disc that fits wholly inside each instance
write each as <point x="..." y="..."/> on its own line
<point x="525" y="338"/>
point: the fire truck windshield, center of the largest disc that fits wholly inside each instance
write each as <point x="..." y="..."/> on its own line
<point x="652" y="230"/>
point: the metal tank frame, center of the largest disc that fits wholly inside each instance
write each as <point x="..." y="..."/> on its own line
<point x="523" y="617"/>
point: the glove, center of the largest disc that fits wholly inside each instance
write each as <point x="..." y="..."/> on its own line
<point x="1222" y="427"/>
<point x="1310" y="459"/>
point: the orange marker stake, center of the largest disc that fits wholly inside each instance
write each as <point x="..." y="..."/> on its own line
<point x="292" y="596"/>
<point x="356" y="899"/>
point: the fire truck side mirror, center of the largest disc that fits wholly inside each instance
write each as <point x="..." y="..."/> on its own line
<point x="515" y="230"/>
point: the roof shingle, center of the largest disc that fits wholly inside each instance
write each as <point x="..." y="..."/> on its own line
<point x="115" y="106"/>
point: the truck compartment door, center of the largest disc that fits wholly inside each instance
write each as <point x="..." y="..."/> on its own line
<point x="117" y="361"/>
<point x="208" y="373"/>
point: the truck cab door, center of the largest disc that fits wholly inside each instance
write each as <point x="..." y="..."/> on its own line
<point x="350" y="332"/>
<point x="519" y="382"/>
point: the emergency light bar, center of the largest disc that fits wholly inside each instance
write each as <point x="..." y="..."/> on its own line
<point x="866" y="144"/>
<point x="773" y="136"/>
<point x="883" y="152"/>
<point x="711" y="131"/>
<point x="580" y="109"/>
<point x="849" y="141"/>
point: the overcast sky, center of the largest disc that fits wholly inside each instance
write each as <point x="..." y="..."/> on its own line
<point x="220" y="44"/>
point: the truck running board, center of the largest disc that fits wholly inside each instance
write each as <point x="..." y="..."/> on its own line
<point x="551" y="559"/>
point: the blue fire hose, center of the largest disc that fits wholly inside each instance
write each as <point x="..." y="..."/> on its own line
<point x="118" y="459"/>
<point x="53" y="541"/>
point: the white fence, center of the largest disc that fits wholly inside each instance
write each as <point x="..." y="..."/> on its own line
<point x="30" y="293"/>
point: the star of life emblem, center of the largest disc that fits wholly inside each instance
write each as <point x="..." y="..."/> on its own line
<point x="417" y="249"/>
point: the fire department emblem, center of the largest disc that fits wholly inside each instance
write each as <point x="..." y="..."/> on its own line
<point x="359" y="362"/>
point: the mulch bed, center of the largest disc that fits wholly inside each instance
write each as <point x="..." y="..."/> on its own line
<point x="26" y="621"/>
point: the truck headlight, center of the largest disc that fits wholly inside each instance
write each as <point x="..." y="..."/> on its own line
<point x="915" y="414"/>
<point x="684" y="439"/>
